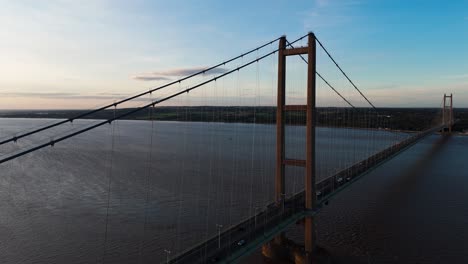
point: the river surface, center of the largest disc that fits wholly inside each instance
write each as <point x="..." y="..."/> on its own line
<point x="131" y="191"/>
<point x="412" y="209"/>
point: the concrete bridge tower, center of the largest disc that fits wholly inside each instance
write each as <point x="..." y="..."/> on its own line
<point x="310" y="109"/>
<point x="447" y="112"/>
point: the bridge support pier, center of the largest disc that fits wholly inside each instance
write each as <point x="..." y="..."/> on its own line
<point x="310" y="236"/>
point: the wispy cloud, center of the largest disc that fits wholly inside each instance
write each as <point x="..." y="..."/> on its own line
<point x="37" y="95"/>
<point x="384" y="86"/>
<point x="456" y="76"/>
<point x="418" y="95"/>
<point x="177" y="72"/>
<point x="322" y="2"/>
<point x="64" y="96"/>
<point x="329" y="13"/>
<point x="188" y="71"/>
<point x="150" y="77"/>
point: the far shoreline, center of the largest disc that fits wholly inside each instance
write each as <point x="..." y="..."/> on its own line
<point x="406" y="120"/>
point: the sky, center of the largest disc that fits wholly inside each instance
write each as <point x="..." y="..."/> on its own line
<point x="60" y="54"/>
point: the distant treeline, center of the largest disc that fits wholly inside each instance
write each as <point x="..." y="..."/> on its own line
<point x="413" y="119"/>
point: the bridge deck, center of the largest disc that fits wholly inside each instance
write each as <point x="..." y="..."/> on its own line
<point x="265" y="225"/>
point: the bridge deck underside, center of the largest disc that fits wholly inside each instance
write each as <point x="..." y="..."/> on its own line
<point x="265" y="225"/>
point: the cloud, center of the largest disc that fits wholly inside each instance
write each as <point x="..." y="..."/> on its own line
<point x="177" y="72"/>
<point x="189" y="71"/>
<point x="38" y="95"/>
<point x="329" y="14"/>
<point x="150" y="77"/>
<point x="418" y="95"/>
<point x="457" y="76"/>
<point x="65" y="96"/>
<point x="322" y="2"/>
<point x="384" y="86"/>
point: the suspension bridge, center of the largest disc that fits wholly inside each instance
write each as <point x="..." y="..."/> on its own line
<point x="318" y="154"/>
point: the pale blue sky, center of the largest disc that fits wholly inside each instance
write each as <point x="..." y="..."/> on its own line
<point x="76" y="54"/>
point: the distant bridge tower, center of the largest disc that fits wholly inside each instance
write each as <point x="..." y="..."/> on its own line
<point x="309" y="108"/>
<point x="447" y="112"/>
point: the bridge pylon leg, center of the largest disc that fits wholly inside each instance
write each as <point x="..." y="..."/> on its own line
<point x="310" y="187"/>
<point x="451" y="114"/>
<point x="281" y="100"/>
<point x="280" y="137"/>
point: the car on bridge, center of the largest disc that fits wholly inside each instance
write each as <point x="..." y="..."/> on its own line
<point x="339" y="181"/>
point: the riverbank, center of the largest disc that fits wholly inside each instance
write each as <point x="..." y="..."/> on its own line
<point x="395" y="119"/>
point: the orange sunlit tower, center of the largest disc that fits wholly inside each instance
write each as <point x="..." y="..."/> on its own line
<point x="309" y="162"/>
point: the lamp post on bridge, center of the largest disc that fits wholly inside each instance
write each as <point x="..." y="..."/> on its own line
<point x="255" y="217"/>
<point x="283" y="198"/>
<point x="168" y="252"/>
<point x="219" y="234"/>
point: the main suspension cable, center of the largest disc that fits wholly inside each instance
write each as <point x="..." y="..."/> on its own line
<point x="355" y="87"/>
<point x="323" y="79"/>
<point x="71" y="119"/>
<point x="53" y="142"/>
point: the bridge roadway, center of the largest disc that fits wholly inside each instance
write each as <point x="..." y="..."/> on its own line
<point x="245" y="237"/>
